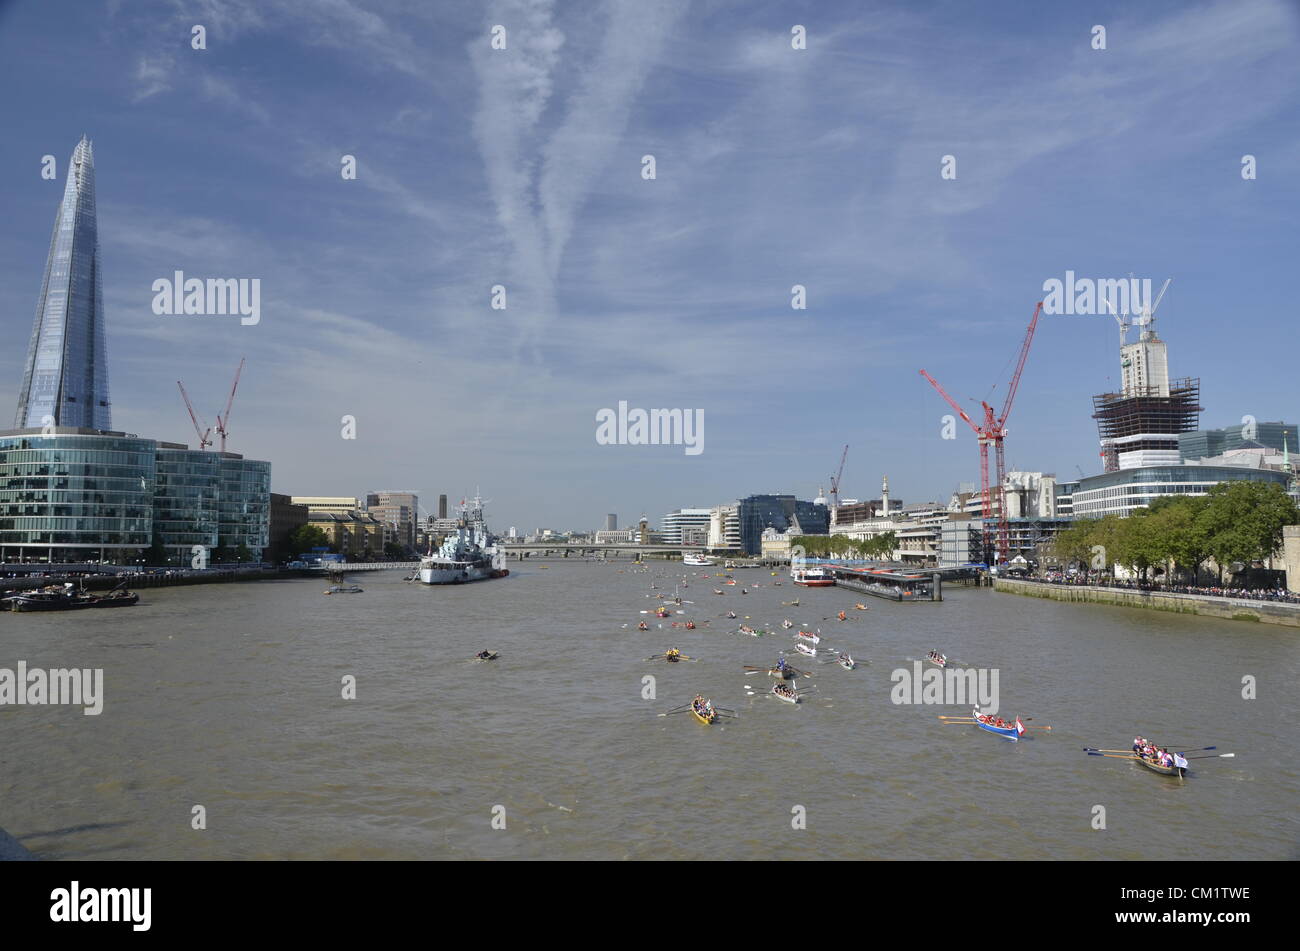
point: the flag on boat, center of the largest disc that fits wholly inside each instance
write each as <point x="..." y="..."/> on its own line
<point x="1180" y="761"/>
<point x="1020" y="727"/>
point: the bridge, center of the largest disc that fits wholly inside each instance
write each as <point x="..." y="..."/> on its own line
<point x="564" y="549"/>
<point x="347" y="567"/>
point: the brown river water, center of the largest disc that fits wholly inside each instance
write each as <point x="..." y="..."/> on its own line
<point x="230" y="697"/>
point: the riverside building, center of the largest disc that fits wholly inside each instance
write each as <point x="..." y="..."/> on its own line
<point x="73" y="490"/>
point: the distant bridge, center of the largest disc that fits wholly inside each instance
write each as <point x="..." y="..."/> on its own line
<point x="351" y="566"/>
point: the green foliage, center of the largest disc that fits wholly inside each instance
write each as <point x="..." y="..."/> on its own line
<point x="307" y="537"/>
<point x="841" y="546"/>
<point x="1235" y="522"/>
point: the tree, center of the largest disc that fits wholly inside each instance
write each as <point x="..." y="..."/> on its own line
<point x="1243" y="521"/>
<point x="307" y="537"/>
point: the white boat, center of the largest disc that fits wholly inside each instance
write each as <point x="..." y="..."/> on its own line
<point x="470" y="554"/>
<point x="804" y="648"/>
<point x="846" y="661"/>
<point x="783" y="691"/>
<point x="812" y="577"/>
<point x="696" y="561"/>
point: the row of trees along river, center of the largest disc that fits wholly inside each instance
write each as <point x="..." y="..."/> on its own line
<point x="1236" y="522"/>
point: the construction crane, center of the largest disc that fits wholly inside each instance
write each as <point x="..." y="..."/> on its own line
<point x="223" y="420"/>
<point x="991" y="432"/>
<point x="203" y="431"/>
<point x="835" y="481"/>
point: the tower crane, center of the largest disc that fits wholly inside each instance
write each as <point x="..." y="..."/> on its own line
<point x="835" y="482"/>
<point x="203" y="432"/>
<point x="223" y="420"/>
<point x="992" y="431"/>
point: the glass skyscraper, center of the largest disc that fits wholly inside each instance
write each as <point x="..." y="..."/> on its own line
<point x="66" y="379"/>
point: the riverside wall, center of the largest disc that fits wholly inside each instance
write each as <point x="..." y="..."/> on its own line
<point x="1233" y="609"/>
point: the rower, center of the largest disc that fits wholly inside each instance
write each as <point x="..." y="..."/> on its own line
<point x="642" y="626"/>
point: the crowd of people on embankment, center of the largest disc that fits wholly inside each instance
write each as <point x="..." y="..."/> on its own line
<point x="1104" y="581"/>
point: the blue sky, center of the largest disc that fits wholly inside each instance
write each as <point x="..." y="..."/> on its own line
<point x="775" y="167"/>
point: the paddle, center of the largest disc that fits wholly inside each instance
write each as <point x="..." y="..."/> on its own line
<point x="674" y="712"/>
<point x="1114" y="755"/>
<point x="1215" y="756"/>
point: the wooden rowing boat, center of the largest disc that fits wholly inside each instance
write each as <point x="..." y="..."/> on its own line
<point x="803" y="648"/>
<point x="788" y="694"/>
<point x="939" y="660"/>
<point x="1007" y="733"/>
<point x="1179" y="771"/>
<point x="705" y="718"/>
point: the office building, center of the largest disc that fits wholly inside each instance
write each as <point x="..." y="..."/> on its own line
<point x="400" y="510"/>
<point x="686" y="527"/>
<point x="65" y="382"/>
<point x="1205" y="443"/>
<point x="80" y="495"/>
<point x="1119" y="493"/>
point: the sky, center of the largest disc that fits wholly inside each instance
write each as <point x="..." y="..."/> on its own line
<point x="773" y="167"/>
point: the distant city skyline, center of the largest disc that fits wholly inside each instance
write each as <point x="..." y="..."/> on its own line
<point x="775" y="167"/>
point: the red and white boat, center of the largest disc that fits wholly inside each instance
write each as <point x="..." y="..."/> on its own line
<point x="812" y="577"/>
<point x="808" y="637"/>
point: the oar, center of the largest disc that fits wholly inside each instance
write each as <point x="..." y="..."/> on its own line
<point x="1214" y="756"/>
<point x="673" y="712"/>
<point x="942" y="717"/>
<point x="1114" y="755"/>
<point x="1199" y="749"/>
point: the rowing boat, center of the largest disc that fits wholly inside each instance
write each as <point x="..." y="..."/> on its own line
<point x="787" y="694"/>
<point x="809" y="636"/>
<point x="846" y="661"/>
<point x="803" y="648"/>
<point x="706" y="718"/>
<point x="1012" y="732"/>
<point x="939" y="660"/>
<point x="1179" y="771"/>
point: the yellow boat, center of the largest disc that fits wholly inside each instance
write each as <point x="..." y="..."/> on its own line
<point x="706" y="720"/>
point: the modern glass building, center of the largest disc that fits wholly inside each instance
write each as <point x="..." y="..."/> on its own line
<point x="244" y="504"/>
<point x="66" y="377"/>
<point x="185" y="500"/>
<point x="782" y="512"/>
<point x="74" y="496"/>
<point x="1204" y="443"/>
<point x="1119" y="493"/>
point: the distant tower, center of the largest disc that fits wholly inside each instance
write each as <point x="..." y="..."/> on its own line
<point x="611" y="522"/>
<point x="884" y="496"/>
<point x="442" y="506"/>
<point x="645" y="531"/>
<point x="67" y="363"/>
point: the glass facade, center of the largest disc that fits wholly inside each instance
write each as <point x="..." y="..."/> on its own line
<point x="185" y="501"/>
<point x="1120" y="492"/>
<point x="82" y="497"/>
<point x="66" y="378"/>
<point x="244" y="506"/>
<point x="757" y="512"/>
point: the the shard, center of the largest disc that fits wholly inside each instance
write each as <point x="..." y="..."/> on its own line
<point x="66" y="378"/>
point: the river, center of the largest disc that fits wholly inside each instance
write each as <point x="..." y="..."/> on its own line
<point x="229" y="697"/>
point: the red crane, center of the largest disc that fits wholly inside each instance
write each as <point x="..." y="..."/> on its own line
<point x="993" y="430"/>
<point x="204" y="432"/>
<point x="223" y="420"/>
<point x="835" y="480"/>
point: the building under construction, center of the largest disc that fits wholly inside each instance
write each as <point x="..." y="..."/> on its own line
<point x="1142" y="428"/>
<point x="1140" y="425"/>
